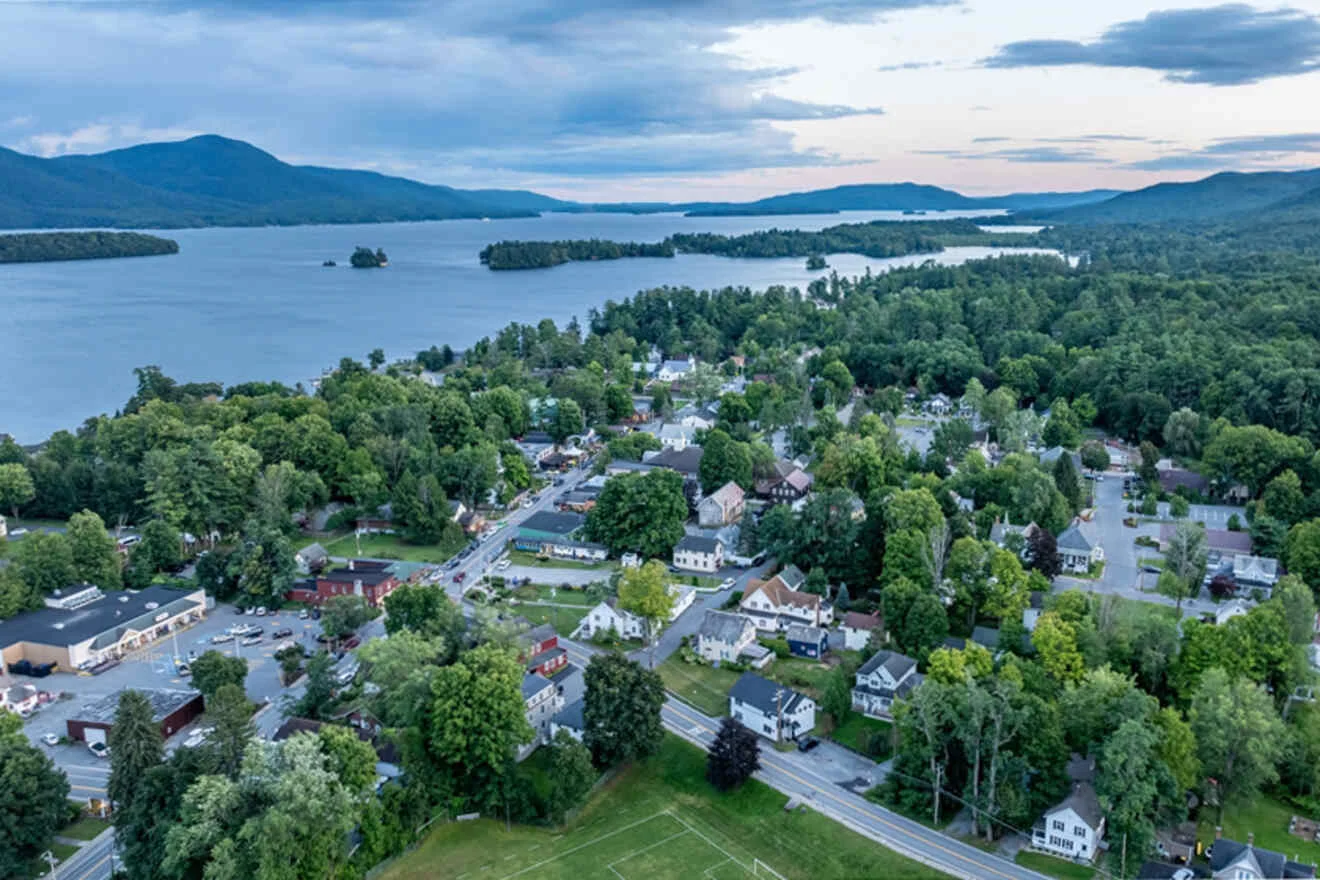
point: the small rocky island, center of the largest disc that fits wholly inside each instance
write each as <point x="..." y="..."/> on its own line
<point x="366" y="258"/>
<point x="815" y="263"/>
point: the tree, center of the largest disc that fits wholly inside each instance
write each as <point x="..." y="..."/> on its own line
<point x="35" y="803"/>
<point x="1056" y="641"/>
<point x="1179" y="507"/>
<point x="1177" y="748"/>
<point x="95" y="557"/>
<point x="44" y="562"/>
<point x="1065" y="478"/>
<point x="642" y="513"/>
<point x="135" y="747"/>
<point x="621" y="710"/>
<point x="1148" y="468"/>
<point x="376" y="358"/>
<point x="477" y="720"/>
<point x="1186" y="553"/>
<point x="16" y="487"/>
<point x="571" y="775"/>
<point x="644" y="591"/>
<point x="1239" y="736"/>
<point x="618" y="403"/>
<point x="1283" y="498"/>
<point x="1183" y="433"/>
<point x="213" y="670"/>
<point x="567" y="421"/>
<point x="1043" y="553"/>
<point x="1222" y="586"/>
<point x="342" y="615"/>
<point x="1302" y="552"/>
<point x="158" y="550"/>
<point x="914" y="617"/>
<point x="1298" y="606"/>
<point x="724" y="460"/>
<point x="230" y="716"/>
<point x="426" y="610"/>
<point x="1173" y="587"/>
<point x="349" y="757"/>
<point x="842" y="601"/>
<point x="1136" y="788"/>
<point x="733" y="757"/>
<point x="837" y="698"/>
<point x="1062" y="429"/>
<point x="319" y="692"/>
<point x="1094" y="456"/>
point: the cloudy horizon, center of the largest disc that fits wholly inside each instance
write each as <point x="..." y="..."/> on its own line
<point x="680" y="100"/>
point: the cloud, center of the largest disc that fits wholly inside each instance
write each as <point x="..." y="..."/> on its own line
<point x="1270" y="143"/>
<point x="909" y="65"/>
<point x="1250" y="152"/>
<point x="1023" y="154"/>
<point x="631" y="84"/>
<point x="1229" y="45"/>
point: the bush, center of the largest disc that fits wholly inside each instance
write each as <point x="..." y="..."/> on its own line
<point x="779" y="646"/>
<point x="1149" y="505"/>
<point x="1179" y="507"/>
<point x="1235" y="523"/>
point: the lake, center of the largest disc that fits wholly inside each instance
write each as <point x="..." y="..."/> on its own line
<point x="243" y="304"/>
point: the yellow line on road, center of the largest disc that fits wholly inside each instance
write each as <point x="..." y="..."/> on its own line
<point x="90" y="872"/>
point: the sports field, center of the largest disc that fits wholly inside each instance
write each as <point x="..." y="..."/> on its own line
<point x="660" y="820"/>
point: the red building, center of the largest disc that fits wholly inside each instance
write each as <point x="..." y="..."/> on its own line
<point x="171" y="709"/>
<point x="541" y="652"/>
<point x="371" y="580"/>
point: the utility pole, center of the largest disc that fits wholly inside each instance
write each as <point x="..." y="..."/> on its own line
<point x="779" y="714"/>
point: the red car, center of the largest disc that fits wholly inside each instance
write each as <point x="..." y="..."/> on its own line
<point x="352" y="643"/>
<point x="460" y="577"/>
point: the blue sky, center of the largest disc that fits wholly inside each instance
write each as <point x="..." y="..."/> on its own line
<point x="683" y="99"/>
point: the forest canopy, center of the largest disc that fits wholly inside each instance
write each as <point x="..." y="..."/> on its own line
<point x="42" y="247"/>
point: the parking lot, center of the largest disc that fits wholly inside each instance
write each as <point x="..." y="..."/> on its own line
<point x="154" y="667"/>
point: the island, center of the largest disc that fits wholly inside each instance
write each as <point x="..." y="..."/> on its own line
<point x="45" y="247"/>
<point x="366" y="258"/>
<point x="542" y="254"/>
<point x="815" y="263"/>
<point x="877" y="239"/>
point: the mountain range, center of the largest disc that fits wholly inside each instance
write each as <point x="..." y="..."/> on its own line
<point x="216" y="181"/>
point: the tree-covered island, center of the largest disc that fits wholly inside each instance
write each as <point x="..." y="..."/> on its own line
<point x="45" y="247"/>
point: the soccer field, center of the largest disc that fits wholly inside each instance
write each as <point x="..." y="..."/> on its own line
<point x="663" y="846"/>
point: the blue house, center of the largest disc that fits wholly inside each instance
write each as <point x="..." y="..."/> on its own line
<point x="808" y="641"/>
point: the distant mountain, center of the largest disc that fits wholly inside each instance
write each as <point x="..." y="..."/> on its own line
<point x="216" y="181"/>
<point x="1219" y="196"/>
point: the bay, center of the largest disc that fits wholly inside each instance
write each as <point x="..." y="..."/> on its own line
<point x="247" y="304"/>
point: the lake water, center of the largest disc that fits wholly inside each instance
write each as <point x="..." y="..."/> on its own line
<point x="244" y="304"/>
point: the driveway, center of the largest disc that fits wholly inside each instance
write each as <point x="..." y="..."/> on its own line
<point x="690" y="620"/>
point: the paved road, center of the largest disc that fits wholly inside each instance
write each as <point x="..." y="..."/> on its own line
<point x="690" y="621"/>
<point x="819" y="782"/>
<point x="92" y="861"/>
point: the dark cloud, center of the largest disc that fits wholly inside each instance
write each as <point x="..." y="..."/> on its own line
<point x="634" y="86"/>
<point x="1256" y="151"/>
<point x="1227" y="45"/>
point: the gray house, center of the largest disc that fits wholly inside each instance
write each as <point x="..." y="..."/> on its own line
<point x="884" y="678"/>
<point x="1077" y="550"/>
<point x="724" y="636"/>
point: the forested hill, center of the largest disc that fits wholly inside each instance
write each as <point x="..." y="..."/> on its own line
<point x="893" y="197"/>
<point x="878" y="239"/>
<point x="41" y="247"/>
<point x="215" y="181"/>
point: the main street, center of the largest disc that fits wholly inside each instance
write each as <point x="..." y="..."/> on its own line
<point x="817" y="784"/>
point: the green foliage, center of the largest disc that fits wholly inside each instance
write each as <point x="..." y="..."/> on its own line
<point x="35" y="802"/>
<point x="135" y="747"/>
<point x="1239" y="735"/>
<point x="213" y="670"/>
<point x="16" y="487"/>
<point x="541" y="254"/>
<point x="366" y="258"/>
<point x="621" y="710"/>
<point x="44" y="562"/>
<point x="572" y="775"/>
<point x="733" y="757"/>
<point x="724" y="460"/>
<point x="1094" y="456"/>
<point x="642" y="513"/>
<point x="40" y="247"/>
<point x="342" y="615"/>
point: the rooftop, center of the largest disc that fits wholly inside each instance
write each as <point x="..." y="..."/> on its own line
<point x="799" y="632"/>
<point x="858" y="620"/>
<point x="571" y="716"/>
<point x="697" y="544"/>
<point x="897" y="665"/>
<point x="722" y="626"/>
<point x="764" y="695"/>
<point x="533" y="684"/>
<point x="109" y="617"/>
<point x="164" y="702"/>
<point x="553" y="523"/>
<point x="685" y="461"/>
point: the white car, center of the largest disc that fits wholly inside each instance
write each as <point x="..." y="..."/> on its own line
<point x="197" y="737"/>
<point x="250" y="640"/>
<point x="726" y="583"/>
<point x="100" y="749"/>
<point x="261" y="611"/>
<point x="502" y="565"/>
<point x="50" y="739"/>
<point x="221" y="638"/>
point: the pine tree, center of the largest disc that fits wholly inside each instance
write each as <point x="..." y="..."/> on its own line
<point x="734" y="756"/>
<point x="135" y="747"/>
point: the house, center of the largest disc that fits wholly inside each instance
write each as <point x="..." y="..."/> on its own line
<point x="569" y="718"/>
<point x="792" y="576"/>
<point x="692" y="416"/>
<point x="1227" y="544"/>
<point x="1230" y="860"/>
<point x="858" y="628"/>
<point x="578" y="551"/>
<point x="539" y="651"/>
<point x="1077" y="551"/>
<point x="1226" y="611"/>
<point x="546" y="527"/>
<point x="608" y="616"/>
<point x="1073" y="828"/>
<point x="675" y="370"/>
<point x="472" y="522"/>
<point x="807" y="641"/>
<point x="371" y="579"/>
<point x="20" y="699"/>
<point x="382" y="523"/>
<point x="697" y="553"/>
<point x="677" y="437"/>
<point x="542" y="702"/>
<point x="83" y="627"/>
<point x="1174" y="478"/>
<point x="788" y="484"/>
<point x="939" y="405"/>
<point x="686" y="461"/>
<point x="1031" y="614"/>
<point x="724" y="636"/>
<point x="311" y="558"/>
<point x="1050" y="456"/>
<point x="775" y="605"/>
<point x="886" y="677"/>
<point x="171" y="709"/>
<point x="1000" y="532"/>
<point x="721" y="507"/>
<point x="770" y="709"/>
<point x="1256" y="572"/>
<point x="1177" y="844"/>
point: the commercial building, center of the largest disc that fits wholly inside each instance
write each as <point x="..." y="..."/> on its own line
<point x="82" y="627"/>
<point x="172" y="709"/>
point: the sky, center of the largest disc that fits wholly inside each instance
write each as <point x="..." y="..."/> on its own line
<point x="672" y="100"/>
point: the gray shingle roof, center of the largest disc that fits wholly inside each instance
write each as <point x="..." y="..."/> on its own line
<point x="571" y="716"/>
<point x="1072" y="539"/>
<point x="897" y="665"/>
<point x="553" y="523"/>
<point x="793" y="576"/>
<point x="759" y="693"/>
<point x="799" y="632"/>
<point x="164" y="702"/>
<point x="1272" y="864"/>
<point x="1082" y="801"/>
<point x="533" y="684"/>
<point x="721" y="626"/>
<point x="697" y="544"/>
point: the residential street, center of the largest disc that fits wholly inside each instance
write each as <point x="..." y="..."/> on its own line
<point x="690" y="621"/>
<point x="818" y="779"/>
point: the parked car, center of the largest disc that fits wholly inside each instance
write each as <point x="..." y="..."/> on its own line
<point x="460" y="577"/>
<point x="726" y="583"/>
<point x="282" y="633"/>
<point x="100" y="749"/>
<point x="261" y="611"/>
<point x="221" y="638"/>
<point x="250" y="640"/>
<point x="250" y="611"/>
<point x="352" y="643"/>
<point x="807" y="743"/>
<point x="502" y="565"/>
<point x="1151" y="569"/>
<point x="50" y="739"/>
<point x="303" y="615"/>
<point x="183" y="669"/>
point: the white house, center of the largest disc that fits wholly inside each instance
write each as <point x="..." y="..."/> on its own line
<point x="775" y="605"/>
<point x="724" y="636"/>
<point x="1256" y="572"/>
<point x="771" y="709"/>
<point x="1074" y="827"/>
<point x="880" y="681"/>
<point x="1031" y="614"/>
<point x="675" y="370"/>
<point x="569" y="718"/>
<point x="542" y="702"/>
<point x="20" y="699"/>
<point x="1226" y="611"/>
<point x="696" y="553"/>
<point x="692" y="416"/>
<point x="609" y="616"/>
<point x="1077" y="550"/>
<point x="1230" y="860"/>
<point x="677" y="437"/>
<point x="721" y="507"/>
<point x="858" y="628"/>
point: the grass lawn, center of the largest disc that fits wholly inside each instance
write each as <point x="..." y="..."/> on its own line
<point x="856" y="731"/>
<point x="1061" y="868"/>
<point x="807" y="676"/>
<point x="40" y="868"/>
<point x="544" y="593"/>
<point x="564" y="620"/>
<point x="393" y="547"/>
<point x="85" y="828"/>
<point x="695" y="580"/>
<point x="1267" y="818"/>
<point x="522" y="557"/>
<point x="705" y="687"/>
<point x="661" y="820"/>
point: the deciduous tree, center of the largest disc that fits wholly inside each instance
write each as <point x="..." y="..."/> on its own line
<point x="621" y="710"/>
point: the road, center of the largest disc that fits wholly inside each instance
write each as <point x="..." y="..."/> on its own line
<point x="690" y="621"/>
<point x="819" y="783"/>
<point x="92" y="861"/>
